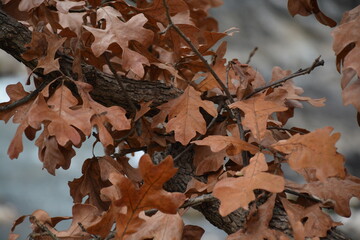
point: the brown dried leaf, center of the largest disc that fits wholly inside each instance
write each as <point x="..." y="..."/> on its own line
<point x="346" y="47"/>
<point x="308" y="221"/>
<point x="257" y="226"/>
<point x="65" y="6"/>
<point x="85" y="214"/>
<point x="315" y="150"/>
<point x="307" y="7"/>
<point x="239" y="192"/>
<point x="257" y="111"/>
<point x="89" y="184"/>
<point x="102" y="116"/>
<point x="192" y="232"/>
<point x="26" y="6"/>
<point x="334" y="191"/>
<point x="160" y="226"/>
<point x="156" y="10"/>
<point x="53" y="155"/>
<point x="149" y="195"/>
<point x="121" y="33"/>
<point x="20" y="115"/>
<point x="64" y="121"/>
<point x="47" y="62"/>
<point x="232" y="145"/>
<point x="184" y="115"/>
<point x="144" y="108"/>
<point x="207" y="161"/>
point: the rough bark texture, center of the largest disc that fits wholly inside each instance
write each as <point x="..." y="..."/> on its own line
<point x="13" y="37"/>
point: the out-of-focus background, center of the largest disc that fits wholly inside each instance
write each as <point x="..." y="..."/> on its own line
<point x="290" y="43"/>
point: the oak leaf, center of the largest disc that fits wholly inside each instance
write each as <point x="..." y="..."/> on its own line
<point x="184" y="115"/>
<point x="239" y="192"/>
<point x="257" y="225"/>
<point x="65" y="6"/>
<point x="121" y="33"/>
<point x="102" y="116"/>
<point x="315" y="150"/>
<point x="47" y="62"/>
<point x="63" y="119"/>
<point x="192" y="232"/>
<point x="257" y="111"/>
<point x="307" y="7"/>
<point x="160" y="226"/>
<point x="85" y="214"/>
<point x="90" y="184"/>
<point x="156" y="10"/>
<point x="334" y="191"/>
<point x="150" y="195"/>
<point x="53" y="155"/>
<point x="346" y="46"/>
<point x="232" y="145"/>
<point x="308" y="222"/>
<point x="20" y="115"/>
<point x="27" y="5"/>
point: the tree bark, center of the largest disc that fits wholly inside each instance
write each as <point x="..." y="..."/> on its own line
<point x="14" y="36"/>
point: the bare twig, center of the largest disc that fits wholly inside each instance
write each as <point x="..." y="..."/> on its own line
<point x="299" y="72"/>
<point x="122" y="87"/>
<point x="252" y="53"/>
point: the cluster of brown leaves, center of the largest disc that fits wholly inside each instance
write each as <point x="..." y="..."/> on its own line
<point x="141" y="45"/>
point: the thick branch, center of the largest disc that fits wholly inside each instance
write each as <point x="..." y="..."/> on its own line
<point x="14" y="36"/>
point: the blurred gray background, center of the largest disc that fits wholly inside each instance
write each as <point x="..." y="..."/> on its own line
<point x="290" y="43"/>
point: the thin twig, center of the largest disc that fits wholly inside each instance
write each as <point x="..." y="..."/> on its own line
<point x="302" y="195"/>
<point x="122" y="87"/>
<point x="44" y="228"/>
<point x="211" y="70"/>
<point x="25" y="99"/>
<point x="82" y="227"/>
<point x="299" y="72"/>
<point x="192" y="202"/>
<point x="252" y="53"/>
